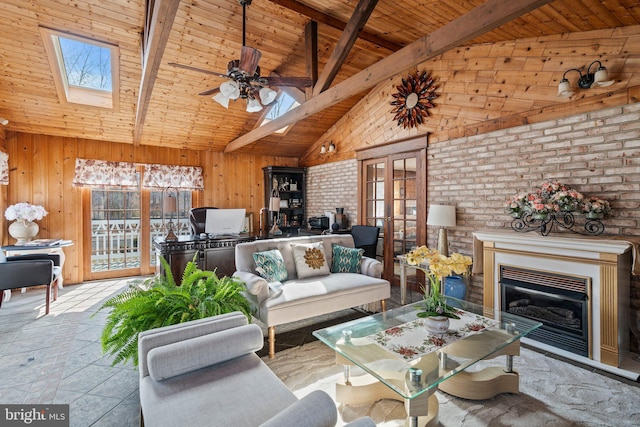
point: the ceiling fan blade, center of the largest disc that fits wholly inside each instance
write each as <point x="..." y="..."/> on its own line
<point x="290" y="81"/>
<point x="249" y="58"/>
<point x="210" y="91"/>
<point x="200" y="70"/>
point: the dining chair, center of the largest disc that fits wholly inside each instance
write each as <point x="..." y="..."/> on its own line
<point x="25" y="271"/>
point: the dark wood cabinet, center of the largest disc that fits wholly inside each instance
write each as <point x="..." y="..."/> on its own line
<point x="212" y="254"/>
<point x="289" y="184"/>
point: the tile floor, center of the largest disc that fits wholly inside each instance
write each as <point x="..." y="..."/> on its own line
<point x="57" y="358"/>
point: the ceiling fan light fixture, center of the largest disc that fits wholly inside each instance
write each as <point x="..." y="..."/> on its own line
<point x="267" y="96"/>
<point x="221" y="99"/>
<point x="230" y="89"/>
<point x="253" y="105"/>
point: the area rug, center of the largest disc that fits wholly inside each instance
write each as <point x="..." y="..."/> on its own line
<point x="553" y="393"/>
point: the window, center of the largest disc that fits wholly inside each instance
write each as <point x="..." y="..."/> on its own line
<point x="284" y="103"/>
<point x="85" y="71"/>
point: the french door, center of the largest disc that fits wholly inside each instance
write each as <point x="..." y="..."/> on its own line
<point x="120" y="226"/>
<point x="392" y="194"/>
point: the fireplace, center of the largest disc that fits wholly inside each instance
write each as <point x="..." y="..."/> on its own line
<point x="560" y="302"/>
<point x="577" y="287"/>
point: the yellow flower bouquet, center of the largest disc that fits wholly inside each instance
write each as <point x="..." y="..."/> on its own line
<point x="436" y="267"/>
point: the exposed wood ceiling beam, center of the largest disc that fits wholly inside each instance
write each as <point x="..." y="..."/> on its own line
<point x="335" y="23"/>
<point x="311" y="50"/>
<point x="164" y="12"/>
<point x="478" y="21"/>
<point x="348" y="38"/>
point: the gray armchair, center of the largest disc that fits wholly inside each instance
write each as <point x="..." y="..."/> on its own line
<point x="206" y="373"/>
<point x="30" y="270"/>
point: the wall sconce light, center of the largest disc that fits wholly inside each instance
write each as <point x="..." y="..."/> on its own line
<point x="3" y="121"/>
<point x="589" y="80"/>
<point x="330" y="150"/>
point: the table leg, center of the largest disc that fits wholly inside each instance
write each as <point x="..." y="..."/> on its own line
<point x="403" y="283"/>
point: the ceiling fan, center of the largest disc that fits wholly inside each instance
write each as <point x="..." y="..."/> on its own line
<point x="244" y="79"/>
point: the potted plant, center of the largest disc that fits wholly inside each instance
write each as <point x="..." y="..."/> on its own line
<point x="436" y="267"/>
<point x="159" y="301"/>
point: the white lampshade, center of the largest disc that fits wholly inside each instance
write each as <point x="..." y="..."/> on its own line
<point x="601" y="78"/>
<point x="222" y="100"/>
<point x="253" y="106"/>
<point x="564" y="89"/>
<point x="442" y="216"/>
<point x="230" y="89"/>
<point x="274" y="204"/>
<point x="323" y="149"/>
<point x="267" y="96"/>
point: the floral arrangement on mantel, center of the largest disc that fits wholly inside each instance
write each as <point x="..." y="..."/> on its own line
<point x="25" y="212"/>
<point x="553" y="197"/>
<point x="439" y="267"/>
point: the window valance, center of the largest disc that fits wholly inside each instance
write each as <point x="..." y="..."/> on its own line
<point x="180" y="177"/>
<point x="101" y="174"/>
<point x="4" y="168"/>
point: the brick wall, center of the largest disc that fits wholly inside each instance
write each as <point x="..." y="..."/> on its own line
<point x="331" y="186"/>
<point x="597" y="153"/>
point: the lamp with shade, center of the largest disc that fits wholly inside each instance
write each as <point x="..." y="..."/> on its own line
<point x="274" y="206"/>
<point x="170" y="205"/>
<point x="442" y="216"/>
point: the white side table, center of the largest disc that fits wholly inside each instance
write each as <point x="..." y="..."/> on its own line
<point x="14" y="250"/>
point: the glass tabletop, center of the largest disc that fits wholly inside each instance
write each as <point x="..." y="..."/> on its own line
<point x="395" y="347"/>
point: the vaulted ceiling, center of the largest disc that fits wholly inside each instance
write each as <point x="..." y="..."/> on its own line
<point x="159" y="104"/>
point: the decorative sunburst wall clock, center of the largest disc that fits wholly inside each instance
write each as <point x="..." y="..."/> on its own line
<point x="413" y="99"/>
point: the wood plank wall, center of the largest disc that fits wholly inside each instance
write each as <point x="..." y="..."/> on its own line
<point x="494" y="86"/>
<point x="41" y="170"/>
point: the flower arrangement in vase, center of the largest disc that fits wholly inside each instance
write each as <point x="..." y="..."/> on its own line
<point x="439" y="267"/>
<point x="596" y="208"/>
<point x="24" y="228"/>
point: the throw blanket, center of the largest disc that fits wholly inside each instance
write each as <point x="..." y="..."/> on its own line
<point x="478" y="253"/>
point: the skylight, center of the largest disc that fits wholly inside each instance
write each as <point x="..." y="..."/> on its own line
<point x="283" y="104"/>
<point x="85" y="70"/>
<point x="86" y="65"/>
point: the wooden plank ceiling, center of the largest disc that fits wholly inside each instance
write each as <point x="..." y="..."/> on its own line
<point x="207" y="34"/>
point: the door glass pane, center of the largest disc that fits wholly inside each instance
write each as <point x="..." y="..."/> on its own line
<point x="115" y="229"/>
<point x="404" y="210"/>
<point x="158" y="225"/>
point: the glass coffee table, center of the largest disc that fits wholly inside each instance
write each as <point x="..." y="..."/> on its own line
<point x="400" y="360"/>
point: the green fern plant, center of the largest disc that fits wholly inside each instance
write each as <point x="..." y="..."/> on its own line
<point x="158" y="302"/>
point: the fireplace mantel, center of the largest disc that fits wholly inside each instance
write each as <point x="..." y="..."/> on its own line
<point x="606" y="262"/>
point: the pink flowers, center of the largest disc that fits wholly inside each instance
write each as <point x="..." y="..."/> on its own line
<point x="553" y="196"/>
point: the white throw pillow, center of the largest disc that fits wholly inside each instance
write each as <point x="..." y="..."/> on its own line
<point x="310" y="260"/>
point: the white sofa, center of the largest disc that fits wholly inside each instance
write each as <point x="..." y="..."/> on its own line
<point x="205" y="373"/>
<point x="298" y="299"/>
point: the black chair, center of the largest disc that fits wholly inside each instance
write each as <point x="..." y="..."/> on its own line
<point x="24" y="271"/>
<point x="366" y="237"/>
<point x="197" y="219"/>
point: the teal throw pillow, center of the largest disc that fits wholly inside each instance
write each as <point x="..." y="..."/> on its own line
<point x="270" y="265"/>
<point x="346" y="260"/>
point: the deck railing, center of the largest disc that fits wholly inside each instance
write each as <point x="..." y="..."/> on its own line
<point x="116" y="246"/>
